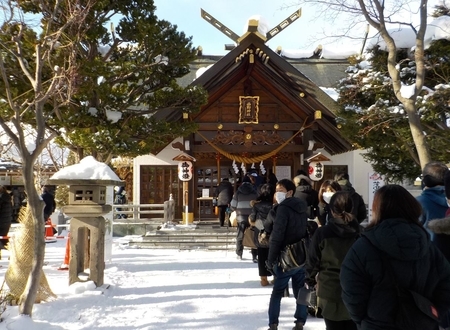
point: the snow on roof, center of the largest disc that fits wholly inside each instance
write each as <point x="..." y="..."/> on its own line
<point x="438" y="29"/>
<point x="263" y="24"/>
<point x="405" y="37"/>
<point x="87" y="169"/>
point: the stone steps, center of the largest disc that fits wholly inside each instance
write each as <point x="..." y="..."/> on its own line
<point x="206" y="235"/>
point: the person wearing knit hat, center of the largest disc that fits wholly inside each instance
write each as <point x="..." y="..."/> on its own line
<point x="432" y="199"/>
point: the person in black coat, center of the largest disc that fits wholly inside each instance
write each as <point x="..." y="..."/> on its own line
<point x="327" y="250"/>
<point x="224" y="193"/>
<point x="5" y="215"/>
<point x="260" y="209"/>
<point x="367" y="290"/>
<point x="359" y="207"/>
<point x="289" y="221"/>
<point x="50" y="204"/>
<point x="305" y="191"/>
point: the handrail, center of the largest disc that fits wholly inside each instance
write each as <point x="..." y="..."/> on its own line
<point x="167" y="210"/>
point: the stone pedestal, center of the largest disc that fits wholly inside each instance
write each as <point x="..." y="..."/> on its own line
<point x="87" y="242"/>
<point x="87" y="228"/>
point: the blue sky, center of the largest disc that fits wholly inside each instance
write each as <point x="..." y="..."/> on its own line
<point x="235" y="13"/>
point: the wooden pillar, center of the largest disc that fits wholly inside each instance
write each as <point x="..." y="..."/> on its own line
<point x="274" y="165"/>
<point x="188" y="217"/>
<point x="218" y="168"/>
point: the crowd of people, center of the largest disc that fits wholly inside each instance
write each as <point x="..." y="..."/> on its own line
<point x="355" y="272"/>
<point x="8" y="212"/>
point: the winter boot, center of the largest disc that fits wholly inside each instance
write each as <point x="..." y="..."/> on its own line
<point x="298" y="326"/>
<point x="273" y="327"/>
<point x="264" y="281"/>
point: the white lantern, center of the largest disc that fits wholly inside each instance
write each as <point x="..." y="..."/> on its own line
<point x="316" y="170"/>
<point x="185" y="170"/>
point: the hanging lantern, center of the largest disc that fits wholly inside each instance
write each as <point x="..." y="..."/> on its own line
<point x="316" y="171"/>
<point x="185" y="170"/>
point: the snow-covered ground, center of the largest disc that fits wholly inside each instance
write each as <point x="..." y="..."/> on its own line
<point x="156" y="289"/>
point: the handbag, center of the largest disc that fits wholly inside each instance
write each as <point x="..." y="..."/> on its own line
<point x="248" y="240"/>
<point x="293" y="256"/>
<point x="233" y="219"/>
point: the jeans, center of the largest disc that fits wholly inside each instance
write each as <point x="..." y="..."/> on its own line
<point x="281" y="282"/>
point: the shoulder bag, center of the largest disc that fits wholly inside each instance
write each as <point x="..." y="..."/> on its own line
<point x="248" y="240"/>
<point x="293" y="256"/>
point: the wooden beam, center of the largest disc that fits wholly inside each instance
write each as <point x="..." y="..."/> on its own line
<point x="256" y="127"/>
<point x="238" y="149"/>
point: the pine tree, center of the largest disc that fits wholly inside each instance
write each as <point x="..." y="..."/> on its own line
<point x="100" y="92"/>
<point x="373" y="119"/>
<point x="122" y="74"/>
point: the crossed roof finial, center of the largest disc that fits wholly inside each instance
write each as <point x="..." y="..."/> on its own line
<point x="235" y="37"/>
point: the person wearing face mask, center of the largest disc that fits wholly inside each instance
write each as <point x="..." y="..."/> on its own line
<point x="326" y="191"/>
<point x="286" y="223"/>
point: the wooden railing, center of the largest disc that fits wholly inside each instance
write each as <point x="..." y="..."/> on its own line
<point x="138" y="218"/>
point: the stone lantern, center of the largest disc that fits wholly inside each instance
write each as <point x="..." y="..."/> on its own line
<point x="87" y="206"/>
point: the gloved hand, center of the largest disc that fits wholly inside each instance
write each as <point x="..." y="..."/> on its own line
<point x="269" y="267"/>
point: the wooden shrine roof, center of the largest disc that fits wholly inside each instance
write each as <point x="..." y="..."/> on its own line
<point x="284" y="80"/>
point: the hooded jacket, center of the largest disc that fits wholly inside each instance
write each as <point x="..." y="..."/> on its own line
<point x="311" y="197"/>
<point x="367" y="289"/>
<point x="441" y="231"/>
<point x="288" y="225"/>
<point x="359" y="210"/>
<point x="260" y="210"/>
<point x="327" y="250"/>
<point x="241" y="201"/>
<point x="434" y="205"/>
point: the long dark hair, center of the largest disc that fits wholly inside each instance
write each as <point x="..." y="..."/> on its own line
<point x="266" y="193"/>
<point x="394" y="202"/>
<point x="333" y="185"/>
<point x="341" y="206"/>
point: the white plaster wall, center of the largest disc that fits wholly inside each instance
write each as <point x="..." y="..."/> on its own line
<point x="165" y="157"/>
<point x="358" y="170"/>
